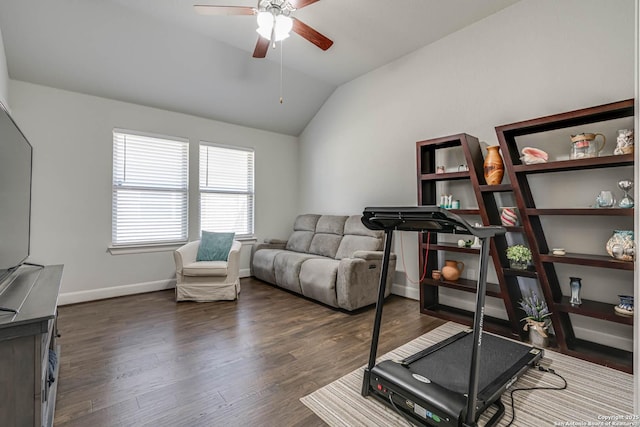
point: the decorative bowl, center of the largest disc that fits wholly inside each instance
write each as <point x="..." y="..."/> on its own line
<point x="626" y="305"/>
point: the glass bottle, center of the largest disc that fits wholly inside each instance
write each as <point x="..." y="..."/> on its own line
<point x="575" y="284"/>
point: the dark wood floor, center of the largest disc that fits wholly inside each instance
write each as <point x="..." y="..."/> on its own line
<point x="146" y="360"/>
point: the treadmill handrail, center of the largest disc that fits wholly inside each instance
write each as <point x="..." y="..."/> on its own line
<point x="424" y="218"/>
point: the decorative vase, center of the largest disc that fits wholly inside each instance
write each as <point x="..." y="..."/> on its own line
<point x="575" y="284"/>
<point x="621" y="245"/>
<point x="509" y="216"/>
<point x="493" y="166"/>
<point x="518" y="265"/>
<point x="452" y="270"/>
<point x="538" y="336"/>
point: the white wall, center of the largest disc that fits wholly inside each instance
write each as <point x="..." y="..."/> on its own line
<point x="4" y="75"/>
<point x="72" y="159"/>
<point x="535" y="58"/>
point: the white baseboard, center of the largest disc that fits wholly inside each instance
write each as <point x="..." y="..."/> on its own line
<point x="114" y="291"/>
<point x="405" y="291"/>
<point x="119" y="291"/>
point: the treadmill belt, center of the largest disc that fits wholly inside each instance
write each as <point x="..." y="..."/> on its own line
<point x="450" y="365"/>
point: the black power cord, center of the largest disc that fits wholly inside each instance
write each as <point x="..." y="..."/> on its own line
<point x="398" y="410"/>
<point x="542" y="369"/>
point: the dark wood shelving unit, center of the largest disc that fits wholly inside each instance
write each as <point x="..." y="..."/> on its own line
<point x="506" y="289"/>
<point x="545" y="262"/>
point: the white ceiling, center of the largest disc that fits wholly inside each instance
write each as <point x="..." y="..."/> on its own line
<point x="160" y="53"/>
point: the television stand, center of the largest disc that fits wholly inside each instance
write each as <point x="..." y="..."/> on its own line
<point x="26" y="339"/>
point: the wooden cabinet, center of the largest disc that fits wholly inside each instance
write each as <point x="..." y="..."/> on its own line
<point x="571" y="184"/>
<point x="27" y="384"/>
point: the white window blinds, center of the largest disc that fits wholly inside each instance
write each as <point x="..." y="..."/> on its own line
<point x="226" y="189"/>
<point x="150" y="189"/>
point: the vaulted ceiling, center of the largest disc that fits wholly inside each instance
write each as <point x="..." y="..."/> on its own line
<point x="161" y="53"/>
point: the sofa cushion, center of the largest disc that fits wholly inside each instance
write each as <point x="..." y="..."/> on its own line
<point x="303" y="230"/>
<point x="287" y="269"/>
<point x="331" y="224"/>
<point x="358" y="237"/>
<point x="328" y="235"/>
<point x="318" y="280"/>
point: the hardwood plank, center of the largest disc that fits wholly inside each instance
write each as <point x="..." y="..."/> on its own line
<point x="147" y="360"/>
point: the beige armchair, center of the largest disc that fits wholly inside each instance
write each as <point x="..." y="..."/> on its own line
<point x="206" y="280"/>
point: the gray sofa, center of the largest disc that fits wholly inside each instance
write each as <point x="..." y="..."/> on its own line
<point x="333" y="259"/>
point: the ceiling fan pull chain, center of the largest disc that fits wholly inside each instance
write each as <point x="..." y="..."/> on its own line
<point x="281" y="70"/>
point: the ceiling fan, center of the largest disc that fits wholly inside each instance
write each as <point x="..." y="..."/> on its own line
<point x="274" y="22"/>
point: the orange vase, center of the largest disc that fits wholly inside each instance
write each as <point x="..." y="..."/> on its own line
<point x="452" y="270"/>
<point x="493" y="166"/>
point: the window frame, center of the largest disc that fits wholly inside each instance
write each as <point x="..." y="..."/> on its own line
<point x="149" y="245"/>
<point x="251" y="193"/>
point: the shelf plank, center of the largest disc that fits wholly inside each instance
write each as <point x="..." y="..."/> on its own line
<point x="595" y="309"/>
<point x="611" y="357"/>
<point x="466" y="285"/>
<point x="576" y="164"/>
<point x="581" y="211"/>
<point x="500" y="188"/>
<point x="465" y="211"/>
<point x="520" y="273"/>
<point x="451" y="247"/>
<point x="590" y="260"/>
<point x="446" y="176"/>
<point x="464" y="317"/>
<point x="611" y="111"/>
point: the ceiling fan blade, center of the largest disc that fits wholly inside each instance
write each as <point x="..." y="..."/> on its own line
<point x="299" y="4"/>
<point x="206" y="9"/>
<point x="262" y="46"/>
<point x="312" y="35"/>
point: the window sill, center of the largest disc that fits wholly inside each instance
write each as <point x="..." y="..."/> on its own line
<point x="141" y="249"/>
<point x="169" y="247"/>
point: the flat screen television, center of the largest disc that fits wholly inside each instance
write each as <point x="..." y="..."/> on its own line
<point x="15" y="196"/>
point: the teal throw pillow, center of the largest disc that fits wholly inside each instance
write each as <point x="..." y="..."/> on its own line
<point x="214" y="246"/>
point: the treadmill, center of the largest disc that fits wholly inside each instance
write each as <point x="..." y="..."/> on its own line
<point x="453" y="382"/>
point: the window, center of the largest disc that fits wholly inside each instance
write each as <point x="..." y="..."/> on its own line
<point x="150" y="189"/>
<point x="226" y="189"/>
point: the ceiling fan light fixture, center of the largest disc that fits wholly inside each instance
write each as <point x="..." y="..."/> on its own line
<point x="284" y="24"/>
<point x="273" y="24"/>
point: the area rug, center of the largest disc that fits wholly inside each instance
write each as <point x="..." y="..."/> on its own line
<point x="595" y="395"/>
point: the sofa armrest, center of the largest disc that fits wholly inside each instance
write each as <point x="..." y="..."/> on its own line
<point x="186" y="254"/>
<point x="359" y="277"/>
<point x="270" y="244"/>
<point x="233" y="261"/>
<point x="371" y="255"/>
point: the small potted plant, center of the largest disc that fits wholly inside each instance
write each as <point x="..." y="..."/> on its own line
<point x="519" y="256"/>
<point x="537" y="321"/>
